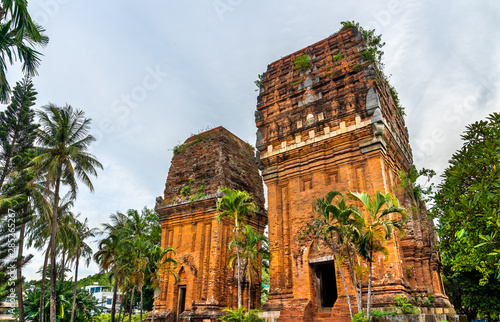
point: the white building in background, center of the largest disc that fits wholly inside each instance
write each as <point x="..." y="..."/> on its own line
<point x="104" y="296"/>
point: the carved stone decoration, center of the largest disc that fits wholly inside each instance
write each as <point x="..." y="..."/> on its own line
<point x="259" y="144"/>
<point x="372" y="101"/>
<point x="309" y="99"/>
<point x="308" y="82"/>
<point x="309" y="119"/>
<point x="258" y="116"/>
<point x="370" y="72"/>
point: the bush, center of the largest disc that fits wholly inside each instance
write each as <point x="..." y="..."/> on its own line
<point x="403" y="304"/>
<point x="359" y="317"/>
<point x="301" y="62"/>
<point x="240" y="316"/>
<point x="378" y="314"/>
<point x="337" y="57"/>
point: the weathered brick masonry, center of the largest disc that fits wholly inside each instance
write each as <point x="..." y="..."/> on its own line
<point x="207" y="285"/>
<point x="334" y="126"/>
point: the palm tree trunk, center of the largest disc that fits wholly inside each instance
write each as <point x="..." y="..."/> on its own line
<point x="249" y="296"/>
<point x="53" y="271"/>
<point x="239" y="280"/>
<point x="343" y="281"/>
<point x="154" y="309"/>
<point x="360" y="285"/>
<point x="62" y="268"/>
<point x="19" y="286"/>
<point x="113" y="305"/>
<point x="124" y="313"/>
<point x="124" y="310"/>
<point x="369" y="287"/>
<point x="141" y="305"/>
<point x="41" y="314"/>
<point x="131" y="304"/>
<point x="236" y="235"/>
<point x="354" y="282"/>
<point x="74" y="288"/>
<point x="120" y="310"/>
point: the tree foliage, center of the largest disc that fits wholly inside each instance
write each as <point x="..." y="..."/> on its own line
<point x="19" y="36"/>
<point x="470" y="298"/>
<point x="418" y="193"/>
<point x="252" y="248"/>
<point x="338" y="223"/>
<point x="17" y="127"/>
<point x="378" y="229"/>
<point x="373" y="42"/>
<point x="86" y="305"/>
<point x="131" y="254"/>
<point x="467" y="203"/>
<point x="17" y="134"/>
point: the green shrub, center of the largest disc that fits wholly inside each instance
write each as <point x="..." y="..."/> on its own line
<point x="180" y="148"/>
<point x="403" y="304"/>
<point x="357" y="67"/>
<point x="376" y="313"/>
<point x="240" y="316"/>
<point x="359" y="317"/>
<point x="337" y="57"/>
<point x="302" y="62"/>
<point x="186" y="190"/>
<point x="409" y="271"/>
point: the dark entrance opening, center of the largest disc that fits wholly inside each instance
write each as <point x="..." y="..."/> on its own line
<point x="182" y="300"/>
<point x="327" y="284"/>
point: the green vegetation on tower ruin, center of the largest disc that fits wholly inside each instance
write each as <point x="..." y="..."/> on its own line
<point x="180" y="148"/>
<point x="302" y="62"/>
<point x="373" y="53"/>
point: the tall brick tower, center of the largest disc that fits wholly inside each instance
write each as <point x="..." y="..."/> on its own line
<point x="187" y="215"/>
<point x="333" y="125"/>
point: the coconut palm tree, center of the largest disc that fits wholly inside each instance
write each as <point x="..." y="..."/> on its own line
<point x="62" y="156"/>
<point x="378" y="228"/>
<point x="236" y="205"/>
<point x="108" y="256"/>
<point x="40" y="228"/>
<point x="160" y="262"/>
<point x="253" y="247"/>
<point x="139" y="260"/>
<point x="81" y="249"/>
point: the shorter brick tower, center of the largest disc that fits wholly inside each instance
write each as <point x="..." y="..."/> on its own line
<point x="188" y="220"/>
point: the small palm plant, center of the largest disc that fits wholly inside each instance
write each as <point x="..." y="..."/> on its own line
<point x="336" y="224"/>
<point x="253" y="247"/>
<point x="236" y="205"/>
<point x="159" y="261"/>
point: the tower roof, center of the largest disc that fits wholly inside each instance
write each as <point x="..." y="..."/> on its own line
<point x="211" y="159"/>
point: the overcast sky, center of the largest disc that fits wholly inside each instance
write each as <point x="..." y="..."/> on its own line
<point x="151" y="73"/>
